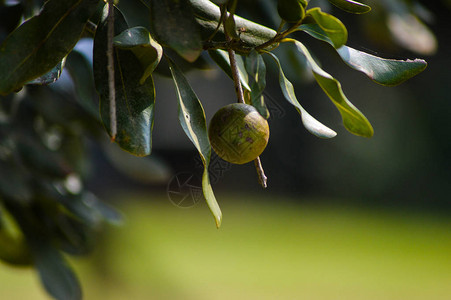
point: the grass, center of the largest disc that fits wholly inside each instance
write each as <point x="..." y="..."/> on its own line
<point x="264" y="250"/>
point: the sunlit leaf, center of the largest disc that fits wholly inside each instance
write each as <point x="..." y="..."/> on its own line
<point x="353" y="119"/>
<point x="139" y="41"/>
<point x="332" y="27"/>
<point x="351" y="6"/>
<point x="256" y="68"/>
<point x="207" y="15"/>
<point x="173" y="25"/>
<point x="192" y="119"/>
<point x="310" y="123"/>
<point x="221" y="58"/>
<point x="381" y="70"/>
<point x="40" y="43"/>
<point x="134" y="101"/>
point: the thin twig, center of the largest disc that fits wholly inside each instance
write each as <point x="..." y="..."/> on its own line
<point x="260" y="172"/>
<point x="110" y="68"/>
<point x="239" y="92"/>
<point x="236" y="76"/>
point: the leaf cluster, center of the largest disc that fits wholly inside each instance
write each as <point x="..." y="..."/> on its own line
<point x="44" y="208"/>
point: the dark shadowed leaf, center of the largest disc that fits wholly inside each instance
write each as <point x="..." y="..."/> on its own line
<point x="256" y="68"/>
<point x="381" y="70"/>
<point x="51" y="76"/>
<point x="332" y="27"/>
<point x="192" y="119"/>
<point x="351" y="6"/>
<point x="39" y="44"/>
<point x="80" y="70"/>
<point x="173" y="25"/>
<point x="56" y="275"/>
<point x="134" y="101"/>
<point x="354" y="121"/>
<point x="310" y="123"/>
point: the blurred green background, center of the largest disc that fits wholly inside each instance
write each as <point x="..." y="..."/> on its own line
<point x="348" y="218"/>
<point x="267" y="248"/>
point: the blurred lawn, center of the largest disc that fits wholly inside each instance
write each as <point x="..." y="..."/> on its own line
<point x="264" y="250"/>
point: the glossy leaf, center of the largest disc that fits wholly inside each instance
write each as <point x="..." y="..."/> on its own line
<point x="351" y="6"/>
<point x="173" y="25"/>
<point x="381" y="70"/>
<point x="332" y="27"/>
<point x="221" y="58"/>
<point x="192" y="119"/>
<point x="354" y="121"/>
<point x="256" y="68"/>
<point x="207" y="15"/>
<point x="134" y="101"/>
<point x="310" y="123"/>
<point x="139" y="41"/>
<point x="40" y="43"/>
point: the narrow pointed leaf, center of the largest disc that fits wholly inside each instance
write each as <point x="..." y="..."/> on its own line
<point x="42" y="42"/>
<point x="134" y="100"/>
<point x="173" y="25"/>
<point x="310" y="123"/>
<point x="139" y="41"/>
<point x="256" y="68"/>
<point x="381" y="70"/>
<point x="192" y="119"/>
<point x="332" y="27"/>
<point x="351" y="6"/>
<point x="354" y="121"/>
<point x="221" y="58"/>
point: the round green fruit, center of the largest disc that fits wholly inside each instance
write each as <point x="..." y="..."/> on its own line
<point x="238" y="133"/>
<point x="292" y="11"/>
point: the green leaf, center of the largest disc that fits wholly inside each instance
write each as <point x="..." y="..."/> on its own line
<point x="351" y="6"/>
<point x="56" y="275"/>
<point x="310" y="123"/>
<point x="173" y="25"/>
<point x="134" y="100"/>
<point x="221" y="58"/>
<point x="50" y="77"/>
<point x="192" y="119"/>
<point x="381" y="70"/>
<point x="139" y="41"/>
<point x="353" y="119"/>
<point x="256" y="68"/>
<point x="208" y="14"/>
<point x="42" y="42"/>
<point x="80" y="70"/>
<point x="332" y="27"/>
